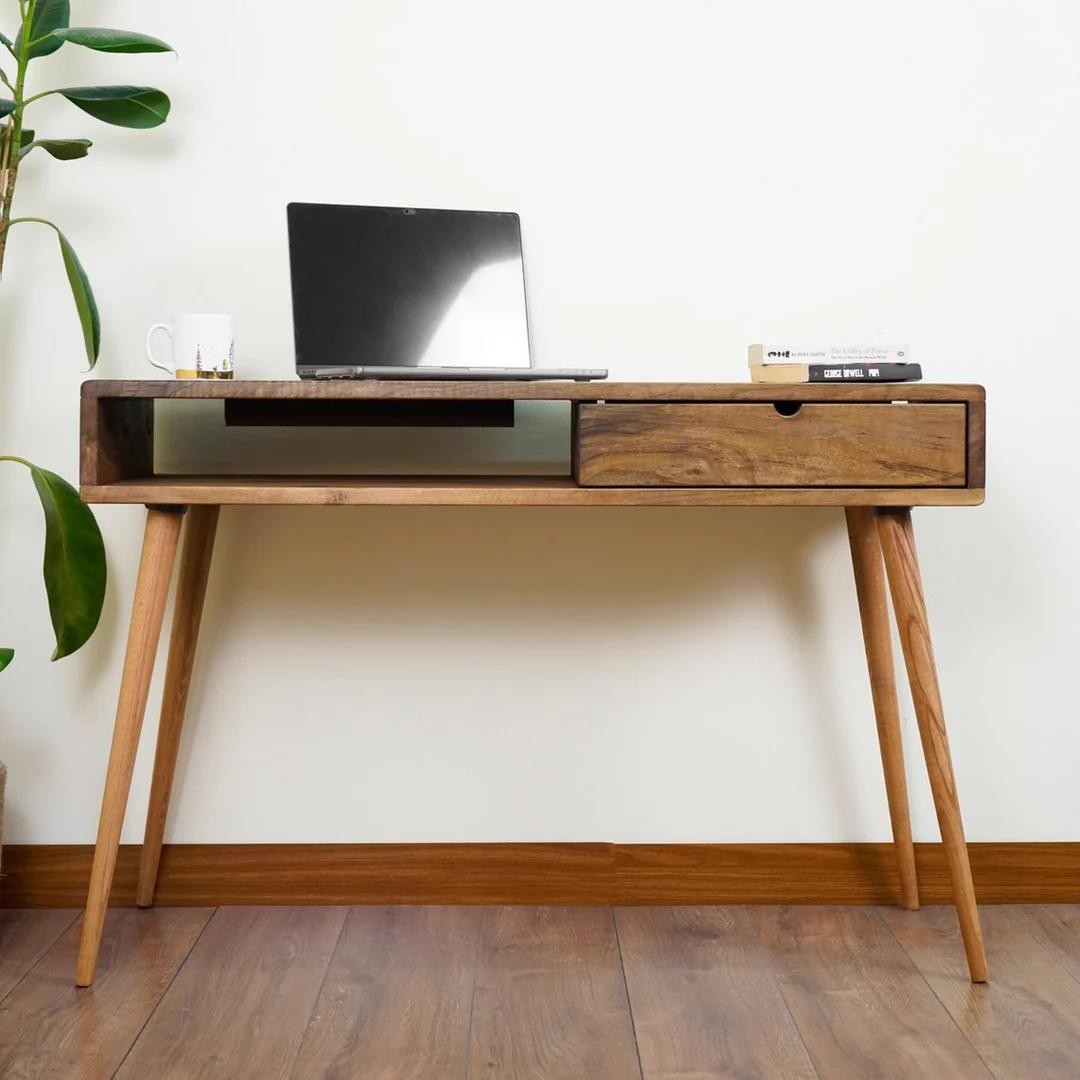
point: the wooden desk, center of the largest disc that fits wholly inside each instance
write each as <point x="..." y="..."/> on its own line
<point x="874" y="450"/>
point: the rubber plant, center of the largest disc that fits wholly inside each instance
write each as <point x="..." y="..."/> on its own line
<point x="74" y="564"/>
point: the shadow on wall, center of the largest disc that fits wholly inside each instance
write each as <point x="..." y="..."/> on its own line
<point x="574" y="571"/>
<point x="429" y="590"/>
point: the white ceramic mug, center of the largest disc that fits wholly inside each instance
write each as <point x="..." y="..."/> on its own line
<point x="202" y="346"/>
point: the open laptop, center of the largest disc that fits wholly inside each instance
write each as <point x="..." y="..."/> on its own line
<point x="388" y="292"/>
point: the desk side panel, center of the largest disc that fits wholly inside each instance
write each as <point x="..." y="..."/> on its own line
<point x="116" y="440"/>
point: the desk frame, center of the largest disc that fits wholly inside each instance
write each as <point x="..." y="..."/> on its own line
<point x="117" y="467"/>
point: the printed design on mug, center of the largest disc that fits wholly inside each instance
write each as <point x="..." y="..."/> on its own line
<point x="202" y="346"/>
<point x="224" y="370"/>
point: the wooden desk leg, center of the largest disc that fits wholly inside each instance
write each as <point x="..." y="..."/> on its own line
<point x="909" y="604"/>
<point x="866" y="561"/>
<point x="148" y="609"/>
<point x="187" y="613"/>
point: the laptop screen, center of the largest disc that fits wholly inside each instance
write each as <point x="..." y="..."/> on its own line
<point x="378" y="286"/>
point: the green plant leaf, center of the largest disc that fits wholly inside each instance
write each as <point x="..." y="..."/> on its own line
<point x="49" y="15"/>
<point x="125" y="106"/>
<point x="74" y="565"/>
<point x="6" y="656"/>
<point x="112" y="41"/>
<point x="61" y="149"/>
<point x="6" y="106"/>
<point x="6" y="42"/>
<point x="85" y="304"/>
<point x="27" y="137"/>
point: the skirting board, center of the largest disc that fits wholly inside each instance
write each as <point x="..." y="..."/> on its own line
<point x="576" y="873"/>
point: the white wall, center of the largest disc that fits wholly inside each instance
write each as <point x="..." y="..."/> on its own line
<point x="691" y="177"/>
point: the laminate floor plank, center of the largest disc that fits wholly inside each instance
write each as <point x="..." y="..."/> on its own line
<point x="1026" y="1021"/>
<point x="1057" y="926"/>
<point x="705" y="1001"/>
<point x="26" y="935"/>
<point x="396" y="1002"/>
<point x="550" y="999"/>
<point x="861" y="1006"/>
<point x="241" y="1003"/>
<point x="50" y="1029"/>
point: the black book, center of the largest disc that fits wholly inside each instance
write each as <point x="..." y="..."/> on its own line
<point x="823" y="373"/>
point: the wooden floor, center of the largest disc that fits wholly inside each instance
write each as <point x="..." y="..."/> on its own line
<point x="438" y="993"/>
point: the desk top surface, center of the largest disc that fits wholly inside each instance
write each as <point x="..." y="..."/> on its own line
<point x="423" y="389"/>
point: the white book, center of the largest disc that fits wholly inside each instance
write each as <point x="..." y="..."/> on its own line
<point x="829" y="354"/>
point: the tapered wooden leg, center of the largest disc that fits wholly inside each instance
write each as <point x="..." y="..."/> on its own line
<point x="866" y="561"/>
<point x="148" y="609"/>
<point x="187" y="614"/>
<point x="905" y="582"/>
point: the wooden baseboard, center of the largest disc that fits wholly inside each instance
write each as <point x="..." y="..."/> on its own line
<point x="208" y="874"/>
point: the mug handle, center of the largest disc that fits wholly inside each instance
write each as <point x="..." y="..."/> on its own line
<point x="149" y="351"/>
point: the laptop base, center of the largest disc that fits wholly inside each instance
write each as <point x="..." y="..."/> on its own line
<point x="452" y="374"/>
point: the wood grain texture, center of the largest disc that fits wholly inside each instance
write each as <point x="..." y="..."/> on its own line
<point x="912" y="623"/>
<point x="439" y="390"/>
<point x="871" y="591"/>
<point x="50" y="1029"/>
<point x="25" y="937"/>
<point x="241" y="1004"/>
<point x="489" y="491"/>
<point x="1058" y="930"/>
<point x="859" y="1003"/>
<point x="398" y="997"/>
<point x="753" y="445"/>
<point x="705" y="1000"/>
<point x="148" y="609"/>
<point x="56" y="875"/>
<point x="1027" y="1022"/>
<point x="198" y="550"/>
<point x="976" y="452"/>
<point x="116" y="439"/>
<point x="550" y="1000"/>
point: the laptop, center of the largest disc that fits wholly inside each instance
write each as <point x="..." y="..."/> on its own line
<point x="391" y="292"/>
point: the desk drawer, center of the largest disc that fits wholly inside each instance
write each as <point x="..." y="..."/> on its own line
<point x="755" y="445"/>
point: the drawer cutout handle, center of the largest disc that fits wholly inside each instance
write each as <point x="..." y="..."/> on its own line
<point x="788" y="408"/>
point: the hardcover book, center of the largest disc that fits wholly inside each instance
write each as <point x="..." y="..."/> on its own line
<point x="829" y="354"/>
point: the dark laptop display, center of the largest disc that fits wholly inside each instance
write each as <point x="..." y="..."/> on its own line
<point x="386" y="286"/>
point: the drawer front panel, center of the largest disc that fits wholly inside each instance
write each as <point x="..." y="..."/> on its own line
<point x="739" y="445"/>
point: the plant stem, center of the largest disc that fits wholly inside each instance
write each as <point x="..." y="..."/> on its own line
<point x="9" y="167"/>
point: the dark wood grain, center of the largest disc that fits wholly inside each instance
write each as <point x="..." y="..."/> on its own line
<point x="488" y="491"/>
<point x="714" y="992"/>
<point x="397" y="999"/>
<point x="435" y="390"/>
<point x="753" y="445"/>
<point x="49" y="1029"/>
<point x="705" y="1000"/>
<point x="117" y="439"/>
<point x="550" y="1001"/>
<point x="25" y="937"/>
<point x="1026" y="1022"/>
<point x="207" y="874"/>
<point x="242" y="1002"/>
<point x="976" y="453"/>
<point x="859" y="1003"/>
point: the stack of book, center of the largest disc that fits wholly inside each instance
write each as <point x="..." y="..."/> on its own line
<point x="832" y="363"/>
